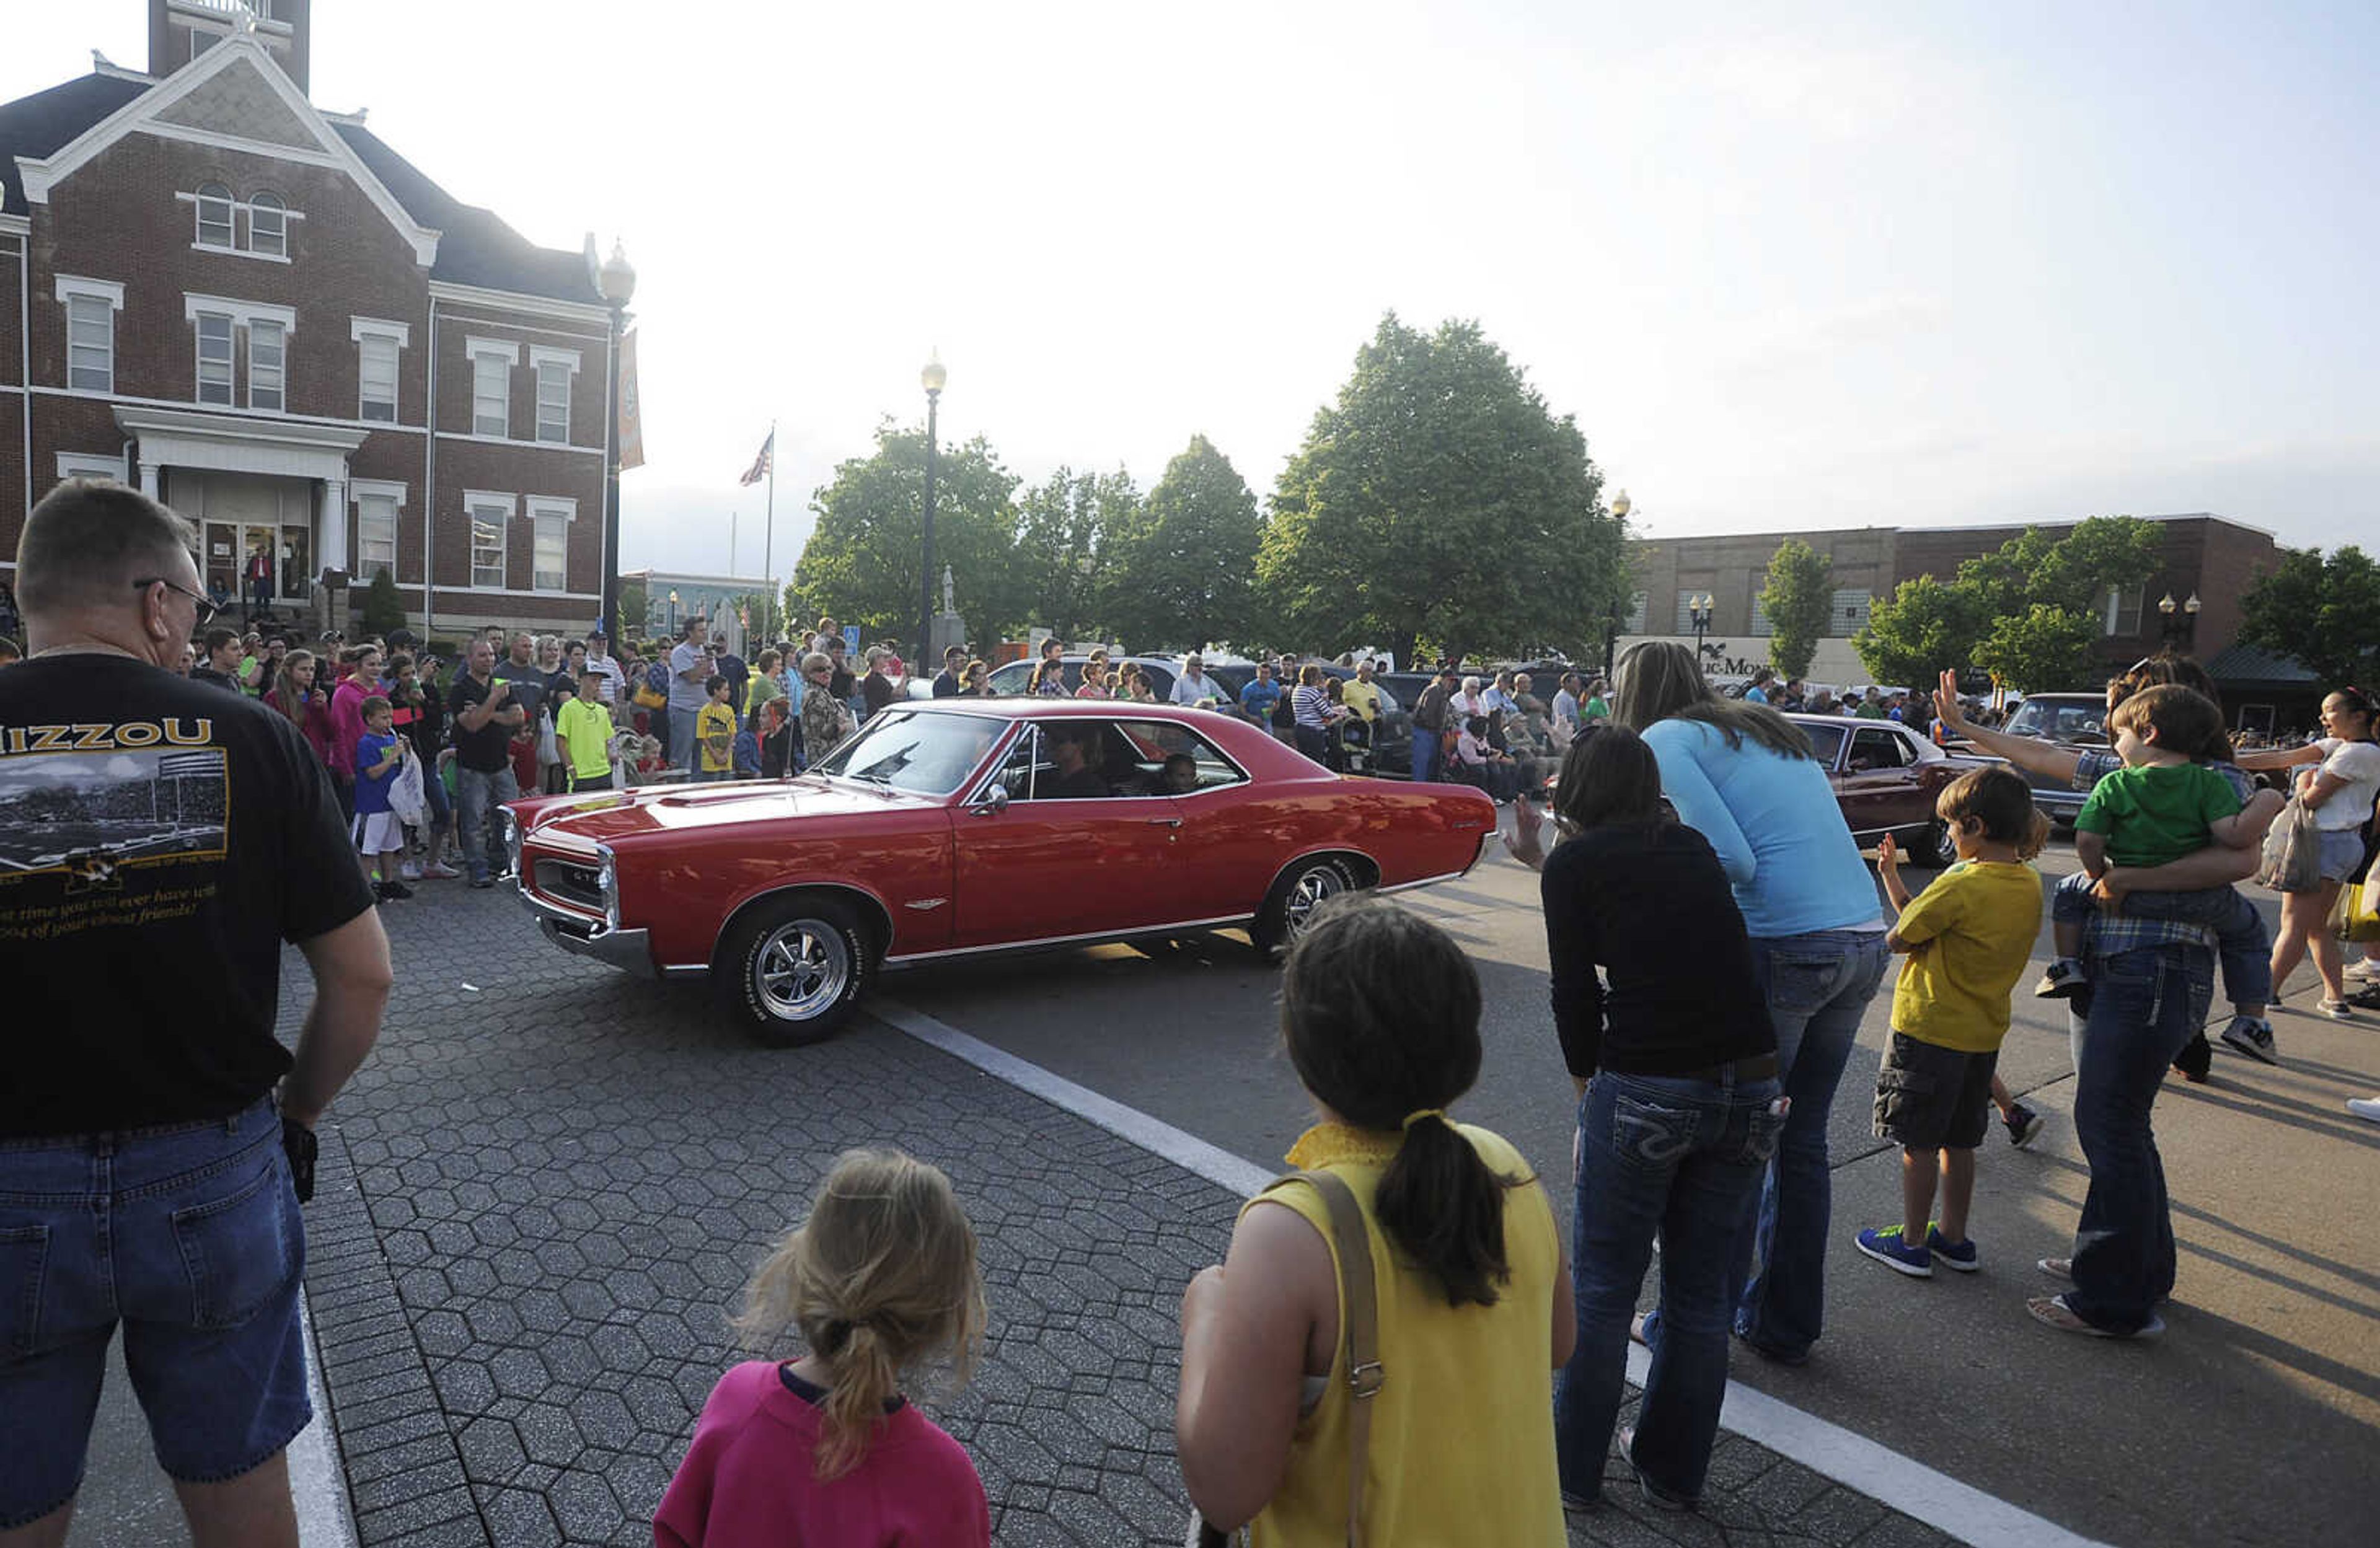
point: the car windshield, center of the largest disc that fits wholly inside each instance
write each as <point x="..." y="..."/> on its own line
<point x="2074" y="720"/>
<point x="925" y="754"/>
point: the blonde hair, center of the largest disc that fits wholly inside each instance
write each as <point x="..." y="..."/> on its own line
<point x="882" y="1276"/>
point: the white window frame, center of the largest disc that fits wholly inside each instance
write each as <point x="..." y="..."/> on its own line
<point x="230" y="223"/>
<point x="280" y="208"/>
<point x="552" y="365"/>
<point x="503" y="355"/>
<point x="271" y="381"/>
<point x="485" y="506"/>
<point x="2114" y="612"/>
<point x="367" y="494"/>
<point x="71" y="287"/>
<point x="226" y="383"/>
<point x="543" y="510"/>
<point x="242" y="313"/>
<point x="90" y="464"/>
<point x="367" y="332"/>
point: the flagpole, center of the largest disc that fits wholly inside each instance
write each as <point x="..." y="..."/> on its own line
<point x="768" y="540"/>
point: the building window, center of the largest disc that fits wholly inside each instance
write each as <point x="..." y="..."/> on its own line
<point x="266" y="354"/>
<point x="214" y="359"/>
<point x="1847" y="614"/>
<point x="552" y="401"/>
<point x="376" y="365"/>
<point x="491" y="516"/>
<point x="1634" y="622"/>
<point x="492" y="387"/>
<point x="1760" y="625"/>
<point x="268" y="225"/>
<point x="215" y="215"/>
<point x="2123" y="613"/>
<point x="91" y="343"/>
<point x="376" y="536"/>
<point x="550" y="571"/>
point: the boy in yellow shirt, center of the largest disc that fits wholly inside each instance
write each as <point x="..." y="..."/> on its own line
<point x="1967" y="939"/>
<point x="714" y="729"/>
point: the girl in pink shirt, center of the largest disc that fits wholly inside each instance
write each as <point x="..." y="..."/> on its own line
<point x="824" y="1450"/>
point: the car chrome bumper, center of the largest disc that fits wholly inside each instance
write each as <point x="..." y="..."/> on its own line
<point x="630" y="950"/>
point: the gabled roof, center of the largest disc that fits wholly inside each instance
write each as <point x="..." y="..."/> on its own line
<point x="475" y="246"/>
<point x="45" y="122"/>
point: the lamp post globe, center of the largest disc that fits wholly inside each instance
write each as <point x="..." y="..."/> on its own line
<point x="931" y="378"/>
<point x="1619" y="505"/>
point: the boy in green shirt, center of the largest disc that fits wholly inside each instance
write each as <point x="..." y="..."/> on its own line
<point x="582" y="728"/>
<point x="1967" y="940"/>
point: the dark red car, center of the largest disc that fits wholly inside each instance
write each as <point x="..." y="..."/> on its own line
<point x="953" y="827"/>
<point x="1886" y="778"/>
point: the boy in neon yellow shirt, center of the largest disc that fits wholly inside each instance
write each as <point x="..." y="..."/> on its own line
<point x="583" y="728"/>
<point x="1967" y="942"/>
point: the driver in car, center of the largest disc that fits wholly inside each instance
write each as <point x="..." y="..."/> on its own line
<point x="1076" y="751"/>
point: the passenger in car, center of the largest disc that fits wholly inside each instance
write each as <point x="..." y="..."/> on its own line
<point x="1180" y="776"/>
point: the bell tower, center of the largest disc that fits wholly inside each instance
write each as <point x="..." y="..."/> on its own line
<point x="180" y="31"/>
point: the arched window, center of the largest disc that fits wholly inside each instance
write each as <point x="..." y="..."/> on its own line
<point x="268" y="225"/>
<point x="215" y="215"/>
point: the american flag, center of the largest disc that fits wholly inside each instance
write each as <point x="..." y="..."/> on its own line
<point x="765" y="464"/>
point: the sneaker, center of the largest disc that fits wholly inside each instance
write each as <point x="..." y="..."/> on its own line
<point x="394" y="890"/>
<point x="2252" y="1035"/>
<point x="2023" y="1125"/>
<point x="2365" y="1107"/>
<point x="439" y="871"/>
<point x="1887" y="1248"/>
<point x="2053" y="1310"/>
<point x="2197" y="1056"/>
<point x="2057" y="1268"/>
<point x="483" y="882"/>
<point x="1963" y="1257"/>
<point x="410" y="870"/>
<point x="2366" y="997"/>
<point x="2365" y="969"/>
<point x="2064" y="980"/>
<point x="1655" y="1495"/>
<point x="2338" y="1011"/>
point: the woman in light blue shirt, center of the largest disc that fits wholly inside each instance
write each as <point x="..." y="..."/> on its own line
<point x="1741" y="775"/>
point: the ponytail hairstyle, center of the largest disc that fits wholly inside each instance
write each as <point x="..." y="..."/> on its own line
<point x="880" y="1277"/>
<point x="1380" y="1013"/>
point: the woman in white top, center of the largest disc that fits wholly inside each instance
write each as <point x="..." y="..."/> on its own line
<point x="2339" y="788"/>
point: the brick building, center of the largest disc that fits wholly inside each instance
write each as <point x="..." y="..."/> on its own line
<point x="261" y="314"/>
<point x="2205" y="556"/>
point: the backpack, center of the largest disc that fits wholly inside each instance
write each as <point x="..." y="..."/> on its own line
<point x="654" y="692"/>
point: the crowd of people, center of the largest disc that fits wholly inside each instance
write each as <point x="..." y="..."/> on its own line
<point x="1399" y="1342"/>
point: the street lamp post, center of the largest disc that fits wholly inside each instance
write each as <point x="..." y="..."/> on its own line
<point x="1621" y="506"/>
<point x="1699" y="610"/>
<point x="2177" y="625"/>
<point x="931" y="378"/>
<point x="618" y="281"/>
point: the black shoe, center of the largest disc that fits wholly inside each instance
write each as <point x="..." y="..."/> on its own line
<point x="483" y="883"/>
<point x="2196" y="1057"/>
<point x="394" y="890"/>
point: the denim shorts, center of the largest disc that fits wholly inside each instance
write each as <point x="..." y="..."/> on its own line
<point x="2342" y="851"/>
<point x="189" y="1236"/>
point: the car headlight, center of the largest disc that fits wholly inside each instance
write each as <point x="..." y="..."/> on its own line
<point x="607" y="880"/>
<point x="513" y="845"/>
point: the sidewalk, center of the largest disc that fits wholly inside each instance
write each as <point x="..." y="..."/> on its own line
<point x="539" y="1201"/>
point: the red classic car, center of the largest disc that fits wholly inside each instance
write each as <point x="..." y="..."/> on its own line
<point x="1886" y="778"/>
<point x="953" y="827"/>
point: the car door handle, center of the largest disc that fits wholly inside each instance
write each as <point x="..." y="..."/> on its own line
<point x="1165" y="822"/>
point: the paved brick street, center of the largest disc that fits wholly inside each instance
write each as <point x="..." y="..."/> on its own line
<point x="542" y="1193"/>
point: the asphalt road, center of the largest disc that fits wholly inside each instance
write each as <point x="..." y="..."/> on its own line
<point x="2257" y="1419"/>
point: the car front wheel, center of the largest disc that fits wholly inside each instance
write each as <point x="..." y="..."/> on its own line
<point x="794" y="970"/>
<point x="1935" y="846"/>
<point x="1289" y="908"/>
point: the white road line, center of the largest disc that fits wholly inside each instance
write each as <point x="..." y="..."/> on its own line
<point x="317" y="1482"/>
<point x="1941" y="1501"/>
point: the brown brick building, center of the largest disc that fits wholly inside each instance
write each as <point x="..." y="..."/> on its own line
<point x="263" y="315"/>
<point x="2205" y="556"/>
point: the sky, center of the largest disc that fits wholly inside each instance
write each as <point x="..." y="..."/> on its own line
<point x="1790" y="267"/>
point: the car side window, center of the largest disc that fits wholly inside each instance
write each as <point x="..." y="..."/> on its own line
<point x="1873" y="747"/>
<point x="1164" y="758"/>
<point x="1826" y="742"/>
<point x="1027" y="766"/>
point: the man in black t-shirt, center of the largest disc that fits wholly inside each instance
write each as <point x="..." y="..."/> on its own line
<point x="485" y="722"/>
<point x="218" y="664"/>
<point x="954" y="660"/>
<point x="152" y="823"/>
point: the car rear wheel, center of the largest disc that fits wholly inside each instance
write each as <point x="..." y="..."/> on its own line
<point x="794" y="970"/>
<point x="1936" y="848"/>
<point x="1289" y="908"/>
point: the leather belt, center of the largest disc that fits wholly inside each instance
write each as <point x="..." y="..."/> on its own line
<point x="1760" y="1067"/>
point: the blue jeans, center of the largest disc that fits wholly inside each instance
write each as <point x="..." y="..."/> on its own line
<point x="189" y="1236"/>
<point x="1683" y="1158"/>
<point x="1424" y="755"/>
<point x="2241" y="943"/>
<point x="476" y="795"/>
<point x="684" y="750"/>
<point x="2146" y="1004"/>
<point x="1818" y="985"/>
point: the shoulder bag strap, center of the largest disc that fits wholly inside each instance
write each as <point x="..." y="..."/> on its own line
<point x="1359" y="1331"/>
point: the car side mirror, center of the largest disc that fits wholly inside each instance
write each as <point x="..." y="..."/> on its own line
<point x="992" y="803"/>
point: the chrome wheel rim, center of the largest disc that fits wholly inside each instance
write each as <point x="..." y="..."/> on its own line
<point x="1308" y="893"/>
<point x="801" y="969"/>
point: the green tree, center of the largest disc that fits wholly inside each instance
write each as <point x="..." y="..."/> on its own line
<point x="1065" y="531"/>
<point x="384" y="609"/>
<point x="2042" y="649"/>
<point x="632" y="610"/>
<point x="1182" y="571"/>
<point x="861" y="563"/>
<point x="1799" y="599"/>
<point x="2323" y="610"/>
<point x="1922" y="627"/>
<point x="1439" y="499"/>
